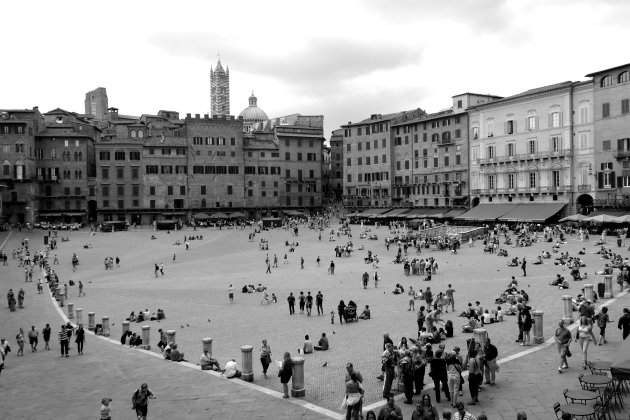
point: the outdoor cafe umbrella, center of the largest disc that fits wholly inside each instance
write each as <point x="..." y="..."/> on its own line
<point x="623" y="219"/>
<point x="620" y="368"/>
<point x="237" y="214"/>
<point x="602" y="218"/>
<point x="201" y="216"/>
<point x="574" y="218"/>
<point x="219" y="216"/>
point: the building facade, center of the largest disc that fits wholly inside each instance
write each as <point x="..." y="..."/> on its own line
<point x="219" y="90"/>
<point x="522" y="147"/>
<point x="611" y="114"/>
<point x="336" y="164"/>
<point x="96" y="103"/>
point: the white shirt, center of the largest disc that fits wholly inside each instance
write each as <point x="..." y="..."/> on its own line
<point x="230" y="369"/>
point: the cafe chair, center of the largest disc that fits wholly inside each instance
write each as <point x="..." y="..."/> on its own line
<point x="603" y="409"/>
<point x="595" y="371"/>
<point x="556" y="409"/>
<point x="585" y="385"/>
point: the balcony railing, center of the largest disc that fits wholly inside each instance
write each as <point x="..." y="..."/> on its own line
<point x="622" y="154"/>
<point x="525" y="156"/>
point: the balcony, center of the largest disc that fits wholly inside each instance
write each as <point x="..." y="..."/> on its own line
<point x="621" y="155"/>
<point x="526" y="156"/>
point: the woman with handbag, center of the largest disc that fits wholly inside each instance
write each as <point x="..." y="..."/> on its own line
<point x="286" y="371"/>
<point x="352" y="400"/>
<point x="265" y="356"/>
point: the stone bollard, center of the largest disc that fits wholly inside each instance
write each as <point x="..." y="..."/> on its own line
<point x="170" y="337"/>
<point x="608" y="286"/>
<point x="297" y="380"/>
<point x="125" y="326"/>
<point x="480" y="335"/>
<point x="61" y="299"/>
<point x="567" y="309"/>
<point x="70" y="310"/>
<point x="91" y="321"/>
<point x="207" y="344"/>
<point x="146" y="337"/>
<point x="538" y="327"/>
<point x="246" y="365"/>
<point x="105" y="332"/>
<point x="79" y="316"/>
<point x="588" y="292"/>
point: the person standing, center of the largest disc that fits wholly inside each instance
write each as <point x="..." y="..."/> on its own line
<point x="332" y="268"/>
<point x="602" y="321"/>
<point x="624" y="323"/>
<point x="439" y="375"/>
<point x="302" y="302"/>
<point x="291" y="300"/>
<point x="162" y="269"/>
<point x="341" y="311"/>
<point x="301" y="263"/>
<point x="46" y="332"/>
<point x="388" y="362"/>
<point x="354" y="392"/>
<point x="449" y="294"/>
<point x="491" y="353"/>
<point x="106" y="410"/>
<point x="319" y="302"/>
<point x="140" y="401"/>
<point x="268" y="267"/>
<point x="265" y="357"/>
<point x="519" y="321"/>
<point x="453" y="373"/>
<point x="286" y="371"/>
<point x="390" y="411"/>
<point x="563" y="339"/>
<point x="584" y="335"/>
<point x="156" y="270"/>
<point x="318" y="261"/>
<point x="527" y="325"/>
<point x="19" y="338"/>
<point x="474" y="376"/>
<point x="117" y="262"/>
<point x="406" y="370"/>
<point x="33" y="335"/>
<point x="80" y="338"/>
<point x="275" y="261"/>
<point x="420" y="319"/>
<point x="524" y="267"/>
<point x="63" y="341"/>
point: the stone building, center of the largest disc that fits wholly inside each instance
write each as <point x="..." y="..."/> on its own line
<point x="96" y="104"/>
<point x="336" y="164"/>
<point x="611" y="116"/>
<point x="18" y="131"/>
<point x="219" y="90"/>
<point x="252" y="115"/>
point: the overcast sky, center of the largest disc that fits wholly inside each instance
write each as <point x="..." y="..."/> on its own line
<point x="344" y="59"/>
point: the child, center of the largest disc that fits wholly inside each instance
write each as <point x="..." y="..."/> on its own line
<point x="106" y="409"/>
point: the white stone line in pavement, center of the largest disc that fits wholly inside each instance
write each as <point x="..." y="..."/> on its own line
<point x="304" y="404"/>
<point x="6" y="239"/>
<point x="515" y="356"/>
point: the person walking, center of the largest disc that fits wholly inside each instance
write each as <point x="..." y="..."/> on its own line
<point x="265" y="357"/>
<point x="286" y="371"/>
<point x="63" y="341"/>
<point x="624" y="323"/>
<point x="319" y="302"/>
<point x="439" y="375"/>
<point x="490" y="353"/>
<point x="81" y="292"/>
<point x="231" y="293"/>
<point x="309" y="303"/>
<point x="46" y="332"/>
<point x="33" y="335"/>
<point x="79" y="338"/>
<point x="19" y="338"/>
<point x="341" y="311"/>
<point x="584" y="336"/>
<point x="563" y="339"/>
<point x="302" y="302"/>
<point x="453" y="373"/>
<point x="301" y="263"/>
<point x="332" y="268"/>
<point x="354" y="392"/>
<point x="450" y="298"/>
<point x="474" y="376"/>
<point x="140" y="401"/>
<point x="406" y="370"/>
<point x="602" y="321"/>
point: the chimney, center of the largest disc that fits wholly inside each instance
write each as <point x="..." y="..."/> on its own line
<point x="197" y="116"/>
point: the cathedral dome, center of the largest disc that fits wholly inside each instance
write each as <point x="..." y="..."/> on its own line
<point x="252" y="113"/>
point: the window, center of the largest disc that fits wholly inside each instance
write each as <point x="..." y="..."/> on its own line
<point x="555" y="119"/>
<point x="510" y="127"/>
<point x="134" y="172"/>
<point x="348" y="147"/>
<point x="446" y="162"/>
<point x="510" y="149"/>
<point x="435" y="162"/>
<point x="623" y="78"/>
<point x="384" y="143"/>
<point x="151" y="190"/>
<point x="384" y="159"/>
<point x="120" y="172"/>
<point x="584" y="111"/>
<point x="105" y="203"/>
<point x="491" y="182"/>
<point x="490" y="127"/>
<point x="605" y="110"/>
<point x="532" y="180"/>
<point x="105" y="173"/>
<point x="135" y="190"/>
<point x="103" y="155"/>
<point x="120" y="190"/>
<point x="360" y="161"/>
<point x="53" y="153"/>
<point x="182" y="190"/>
<point x="555" y="144"/>
<point x="166" y="169"/>
<point x="458" y="133"/>
<point x="555" y="179"/>
<point x="606" y="145"/>
<point x="491" y="152"/>
<point x="605" y="81"/>
<point x="360" y="146"/>
<point x="458" y="159"/>
<point x="134" y="155"/>
<point x="169" y="190"/>
<point x="119" y="155"/>
<point x="510" y="181"/>
<point x="583" y="140"/>
<point x="531" y="123"/>
<point x="625" y="106"/>
<point x="105" y="190"/>
<point x="151" y="204"/>
<point x="532" y="147"/>
<point x="607" y="176"/>
<point x="349" y="178"/>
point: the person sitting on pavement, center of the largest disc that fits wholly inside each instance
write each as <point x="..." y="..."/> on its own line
<point x="231" y="370"/>
<point x="307" y="347"/>
<point x="135" y="340"/>
<point x="176" y="355"/>
<point x="366" y="313"/>
<point x="322" y="344"/>
<point x="207" y="362"/>
<point x="557" y="281"/>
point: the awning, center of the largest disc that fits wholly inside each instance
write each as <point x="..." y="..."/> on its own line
<point x="50" y="215"/>
<point x="372" y="212"/>
<point x="609" y="212"/>
<point x="74" y="214"/>
<point x="173" y="214"/>
<point x="486" y="212"/>
<point x="425" y="213"/>
<point x="620" y="367"/>
<point x="454" y="213"/>
<point x="394" y="213"/>
<point x="535" y="213"/>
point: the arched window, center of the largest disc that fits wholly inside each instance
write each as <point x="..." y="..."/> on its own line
<point x="606" y="81"/>
<point x="76" y="156"/>
<point x="624" y="77"/>
<point x="6" y="169"/>
<point x="80" y="174"/>
<point x="80" y="156"/>
<point x="140" y="133"/>
<point x="132" y="134"/>
<point x="203" y="203"/>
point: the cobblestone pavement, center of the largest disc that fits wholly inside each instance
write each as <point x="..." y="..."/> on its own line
<point x="193" y="292"/>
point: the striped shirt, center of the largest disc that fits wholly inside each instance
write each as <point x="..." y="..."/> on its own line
<point x="63" y="335"/>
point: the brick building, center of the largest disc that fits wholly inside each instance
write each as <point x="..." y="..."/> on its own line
<point x="336" y="164"/>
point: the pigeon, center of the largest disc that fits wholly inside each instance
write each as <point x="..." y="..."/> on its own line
<point x="187" y="325"/>
<point x="333" y="332"/>
<point x="113" y="323"/>
<point x="325" y="364"/>
<point x="182" y="326"/>
<point x="209" y="320"/>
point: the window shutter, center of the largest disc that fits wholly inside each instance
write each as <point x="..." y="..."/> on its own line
<point x="620" y="143"/>
<point x="549" y="120"/>
<point x="600" y="180"/>
<point x="514" y="127"/>
<point x="619" y="182"/>
<point x="505" y="125"/>
<point x="612" y="179"/>
<point x="561" y="120"/>
<point x="537" y="119"/>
